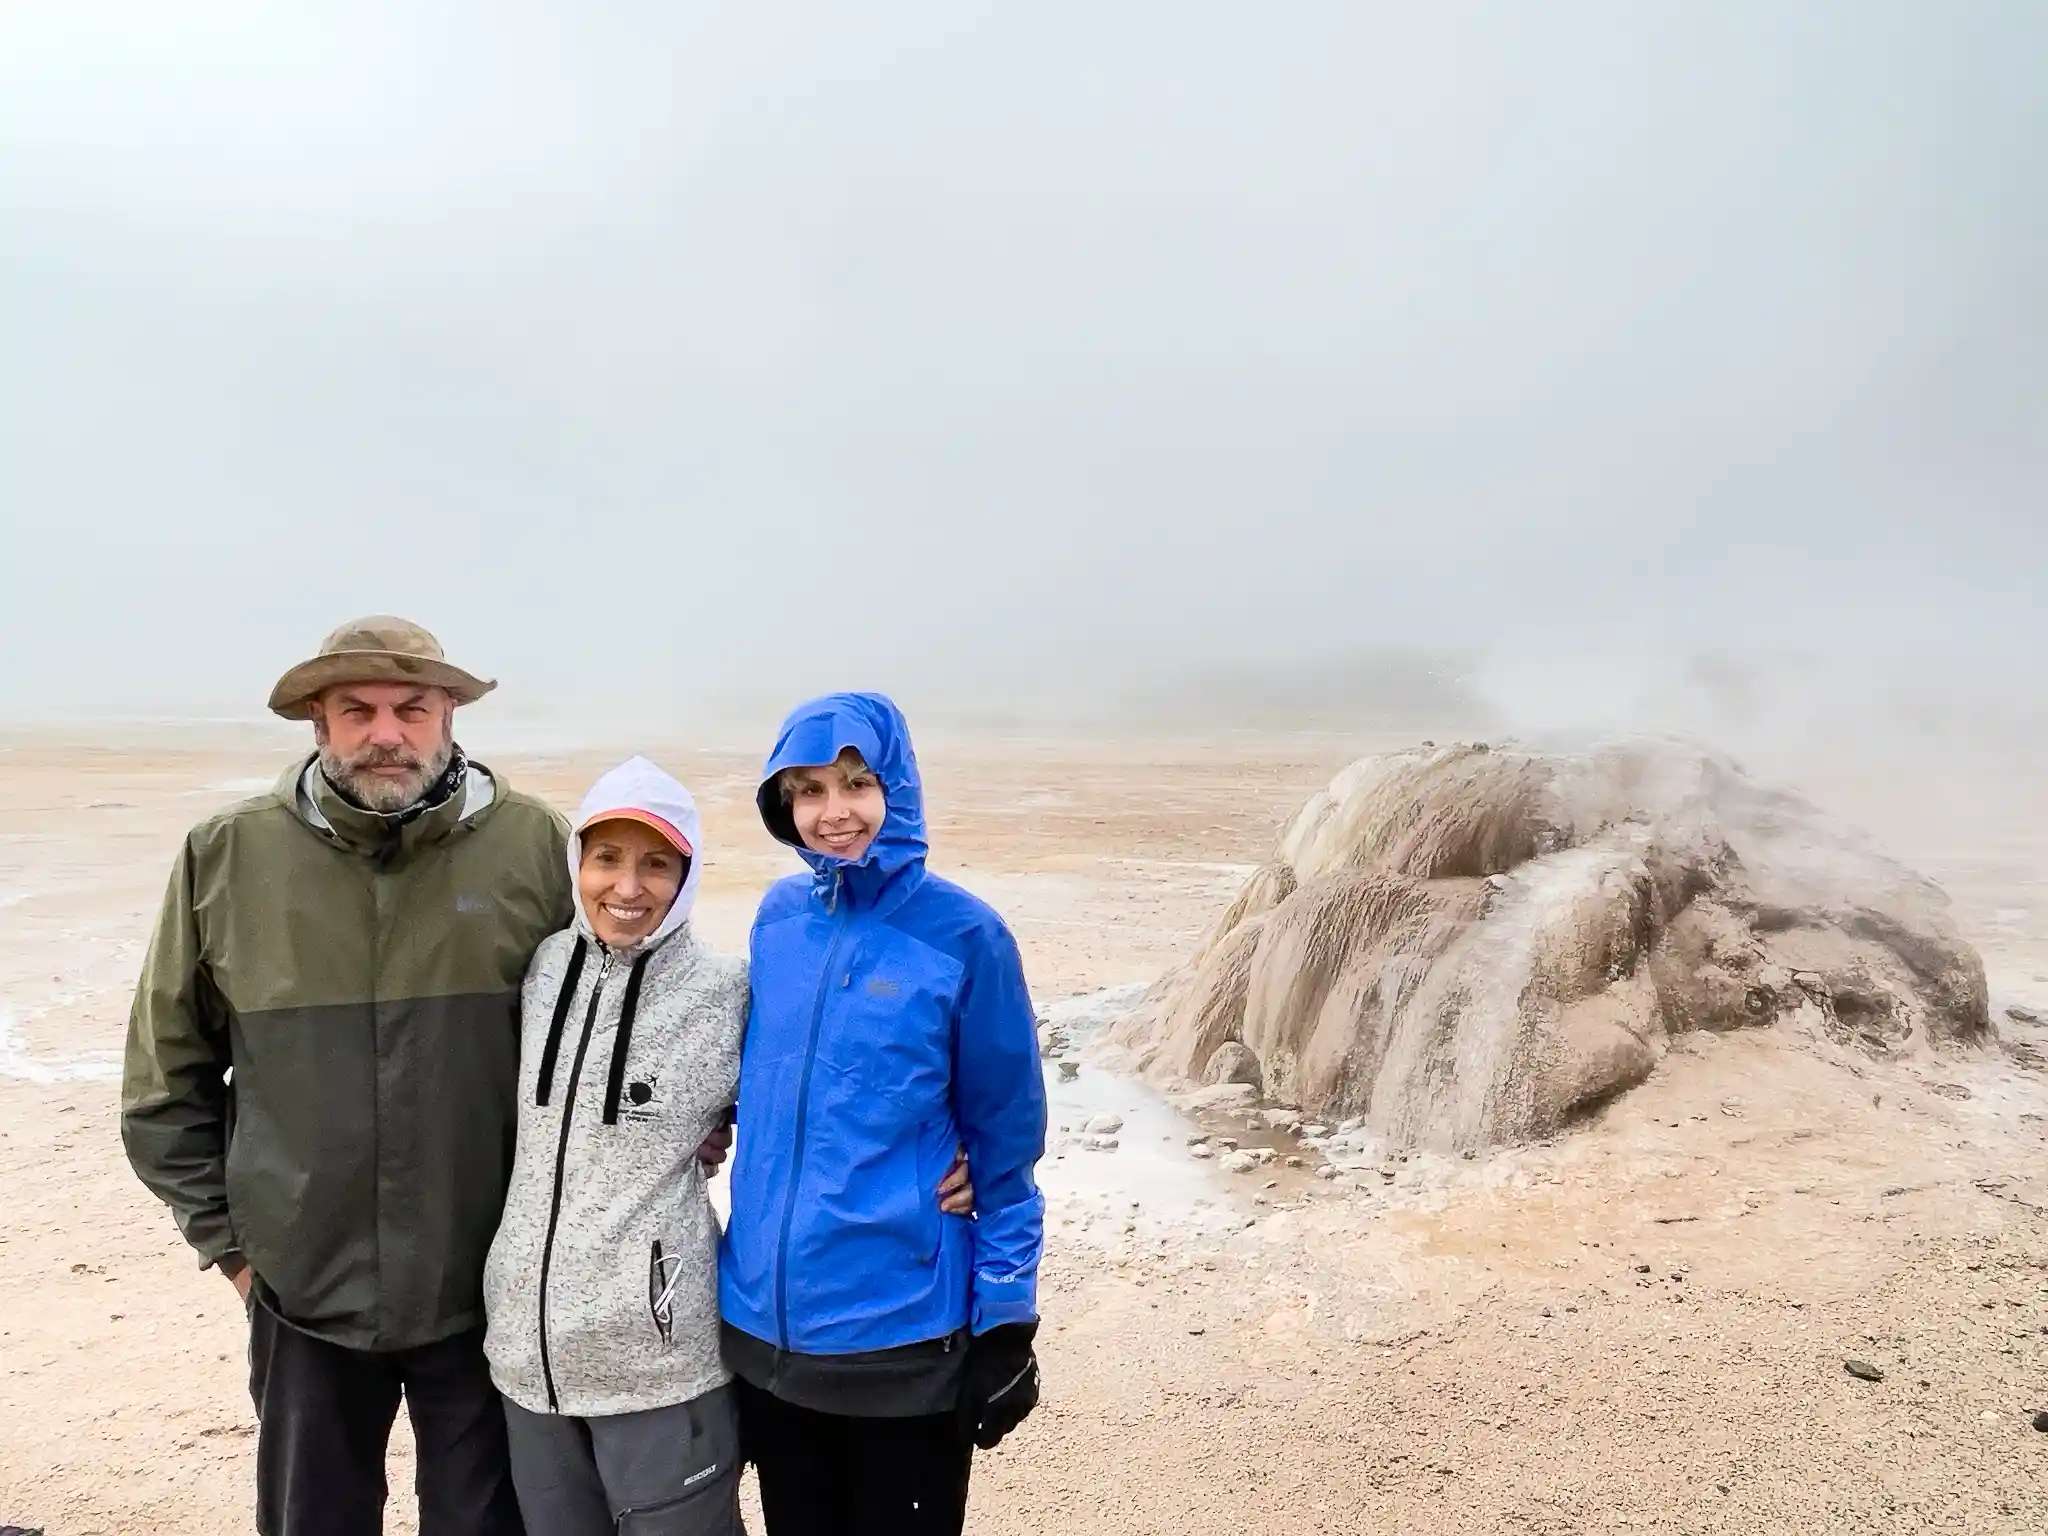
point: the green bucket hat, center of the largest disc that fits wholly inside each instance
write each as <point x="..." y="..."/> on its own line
<point x="377" y="649"/>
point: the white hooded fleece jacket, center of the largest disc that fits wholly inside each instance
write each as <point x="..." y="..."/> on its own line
<point x="601" y="1292"/>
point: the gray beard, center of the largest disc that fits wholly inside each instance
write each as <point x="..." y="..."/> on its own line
<point x="384" y="796"/>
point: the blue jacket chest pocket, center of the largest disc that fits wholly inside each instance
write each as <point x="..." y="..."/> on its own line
<point x="887" y="1031"/>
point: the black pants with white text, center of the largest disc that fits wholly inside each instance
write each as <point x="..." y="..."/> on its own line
<point x="826" y="1474"/>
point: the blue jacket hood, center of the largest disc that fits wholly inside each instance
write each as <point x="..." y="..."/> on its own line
<point x="814" y="735"/>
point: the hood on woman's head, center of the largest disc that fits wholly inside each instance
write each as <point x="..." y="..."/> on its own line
<point x="639" y="791"/>
<point x="814" y="734"/>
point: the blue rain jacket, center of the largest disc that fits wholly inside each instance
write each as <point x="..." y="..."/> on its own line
<point x="889" y="1023"/>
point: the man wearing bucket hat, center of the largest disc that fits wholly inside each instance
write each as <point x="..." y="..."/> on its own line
<point x="322" y="1076"/>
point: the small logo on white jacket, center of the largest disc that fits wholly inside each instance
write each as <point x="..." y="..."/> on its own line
<point x="642" y="1099"/>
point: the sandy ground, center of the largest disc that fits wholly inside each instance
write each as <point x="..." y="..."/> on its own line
<point x="1641" y="1327"/>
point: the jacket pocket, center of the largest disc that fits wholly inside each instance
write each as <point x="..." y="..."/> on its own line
<point x="930" y="1218"/>
<point x="664" y="1273"/>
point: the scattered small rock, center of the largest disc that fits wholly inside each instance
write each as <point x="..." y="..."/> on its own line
<point x="2024" y="1015"/>
<point x="1642" y="1269"/>
<point x="1863" y="1370"/>
<point x="1327" y="1171"/>
<point x="1196" y="1138"/>
<point x="1732" y="1108"/>
<point x="1220" y="1096"/>
<point x="1069" y="1070"/>
<point x="1202" y="1149"/>
<point x="1239" y="1162"/>
<point x="1197" y="1332"/>
<point x="1234" y="1064"/>
<point x="1281" y="1120"/>
<point x="1101" y="1143"/>
<point x="1227" y="1143"/>
<point x="2041" y="1422"/>
<point x="1104" y="1125"/>
<point x="1294" y="1162"/>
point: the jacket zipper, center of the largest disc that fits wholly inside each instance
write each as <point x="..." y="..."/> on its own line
<point x="547" y="1247"/>
<point x="803" y="1107"/>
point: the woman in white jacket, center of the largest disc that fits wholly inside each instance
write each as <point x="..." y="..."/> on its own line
<point x="601" y="1292"/>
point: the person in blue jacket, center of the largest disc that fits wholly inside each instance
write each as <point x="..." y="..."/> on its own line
<point x="875" y="1340"/>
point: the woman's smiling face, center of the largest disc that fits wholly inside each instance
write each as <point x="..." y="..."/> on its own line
<point x="628" y="878"/>
<point x="838" y="807"/>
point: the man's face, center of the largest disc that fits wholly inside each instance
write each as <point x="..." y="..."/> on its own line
<point x="384" y="744"/>
<point x="837" y="808"/>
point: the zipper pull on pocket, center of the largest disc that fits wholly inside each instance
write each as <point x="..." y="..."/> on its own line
<point x="664" y="1271"/>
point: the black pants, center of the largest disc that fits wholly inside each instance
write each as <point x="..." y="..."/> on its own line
<point x="823" y="1474"/>
<point x="324" y="1416"/>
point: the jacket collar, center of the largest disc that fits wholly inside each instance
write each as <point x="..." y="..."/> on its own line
<point x="388" y="839"/>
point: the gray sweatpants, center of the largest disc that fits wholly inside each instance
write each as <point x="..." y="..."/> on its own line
<point x="666" y="1472"/>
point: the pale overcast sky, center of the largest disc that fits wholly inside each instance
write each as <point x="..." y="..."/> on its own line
<point x="667" y="352"/>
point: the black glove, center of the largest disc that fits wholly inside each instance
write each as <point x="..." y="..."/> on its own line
<point x="1001" y="1385"/>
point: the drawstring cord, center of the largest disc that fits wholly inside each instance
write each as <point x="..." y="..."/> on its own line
<point x="546" y="1085"/>
<point x="623" y="1039"/>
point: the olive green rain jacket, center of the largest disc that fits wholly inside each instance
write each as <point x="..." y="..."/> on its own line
<point x="323" y="1055"/>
